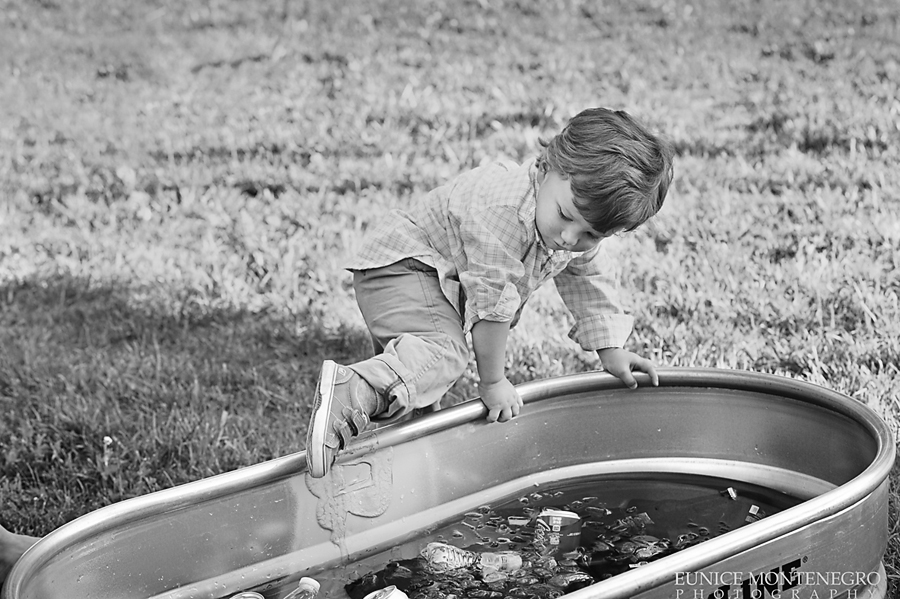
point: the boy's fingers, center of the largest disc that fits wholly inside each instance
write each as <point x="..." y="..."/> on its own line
<point x="647" y="366"/>
<point x="628" y="379"/>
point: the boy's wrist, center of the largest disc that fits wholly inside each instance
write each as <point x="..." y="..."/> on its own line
<point x="490" y="382"/>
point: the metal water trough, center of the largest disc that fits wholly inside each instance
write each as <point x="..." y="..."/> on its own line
<point x="264" y="526"/>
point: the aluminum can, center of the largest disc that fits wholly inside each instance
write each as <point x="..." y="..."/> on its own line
<point x="556" y="531"/>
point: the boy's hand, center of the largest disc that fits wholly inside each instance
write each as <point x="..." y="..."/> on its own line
<point x="502" y="400"/>
<point x="620" y="363"/>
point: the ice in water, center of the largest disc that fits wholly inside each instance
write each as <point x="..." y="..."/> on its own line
<point x="626" y="523"/>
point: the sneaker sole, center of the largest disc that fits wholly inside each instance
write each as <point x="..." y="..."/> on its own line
<point x="316" y="461"/>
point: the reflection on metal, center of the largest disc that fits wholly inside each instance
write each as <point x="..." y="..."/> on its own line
<point x="263" y="527"/>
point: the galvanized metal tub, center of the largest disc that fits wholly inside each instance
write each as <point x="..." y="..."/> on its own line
<point x="264" y="526"/>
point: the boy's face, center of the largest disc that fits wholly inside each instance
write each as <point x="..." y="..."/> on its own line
<point x="558" y="221"/>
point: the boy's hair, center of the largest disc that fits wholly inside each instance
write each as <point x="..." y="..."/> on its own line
<point x="618" y="171"/>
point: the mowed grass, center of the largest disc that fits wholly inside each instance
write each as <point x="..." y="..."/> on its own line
<point x="181" y="183"/>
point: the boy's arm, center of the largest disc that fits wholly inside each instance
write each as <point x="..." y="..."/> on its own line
<point x="589" y="288"/>
<point x="497" y="393"/>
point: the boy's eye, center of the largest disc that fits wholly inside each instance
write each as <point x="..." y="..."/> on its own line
<point x="562" y="214"/>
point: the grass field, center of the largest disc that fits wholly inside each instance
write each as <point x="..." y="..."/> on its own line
<point x="181" y="182"/>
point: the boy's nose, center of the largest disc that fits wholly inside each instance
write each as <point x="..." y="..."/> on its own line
<point x="569" y="237"/>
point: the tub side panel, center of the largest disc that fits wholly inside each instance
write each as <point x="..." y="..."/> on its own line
<point x="288" y="524"/>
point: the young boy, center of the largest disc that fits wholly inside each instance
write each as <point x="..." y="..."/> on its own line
<point x="465" y="259"/>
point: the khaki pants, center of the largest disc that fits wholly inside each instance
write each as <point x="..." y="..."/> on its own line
<point x="417" y="335"/>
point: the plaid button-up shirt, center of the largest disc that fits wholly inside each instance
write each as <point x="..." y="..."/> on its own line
<point x="478" y="231"/>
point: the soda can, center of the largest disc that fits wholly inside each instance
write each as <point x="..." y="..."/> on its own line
<point x="391" y="592"/>
<point x="556" y="531"/>
<point x="754" y="514"/>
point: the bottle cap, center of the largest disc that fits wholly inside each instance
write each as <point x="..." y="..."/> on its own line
<point x="310" y="582"/>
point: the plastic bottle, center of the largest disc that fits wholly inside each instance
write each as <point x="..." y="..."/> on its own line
<point x="442" y="557"/>
<point x="307" y="588"/>
<point x="391" y="592"/>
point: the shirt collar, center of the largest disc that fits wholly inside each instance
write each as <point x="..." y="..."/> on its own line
<point x="529" y="207"/>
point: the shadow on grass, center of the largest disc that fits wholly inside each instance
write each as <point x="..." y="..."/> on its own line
<point x="108" y="392"/>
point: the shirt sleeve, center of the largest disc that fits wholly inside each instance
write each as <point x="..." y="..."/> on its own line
<point x="589" y="288"/>
<point x="488" y="280"/>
